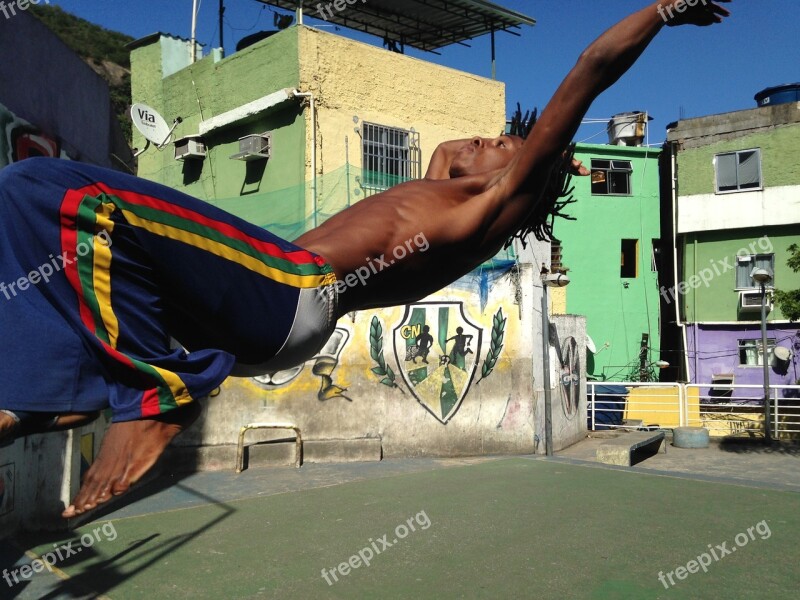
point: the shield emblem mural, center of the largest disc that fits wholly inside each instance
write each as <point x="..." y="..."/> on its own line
<point x="437" y="350"/>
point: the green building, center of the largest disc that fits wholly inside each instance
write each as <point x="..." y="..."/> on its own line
<point x="611" y="253"/>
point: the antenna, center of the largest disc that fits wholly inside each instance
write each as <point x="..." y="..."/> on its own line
<point x="152" y="126"/>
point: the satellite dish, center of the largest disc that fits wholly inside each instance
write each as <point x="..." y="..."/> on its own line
<point x="151" y="124"/>
<point x="590" y="345"/>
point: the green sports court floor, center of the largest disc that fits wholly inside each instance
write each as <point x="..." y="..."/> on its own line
<point x="485" y="528"/>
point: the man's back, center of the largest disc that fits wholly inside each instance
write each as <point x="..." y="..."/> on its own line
<point x="379" y="231"/>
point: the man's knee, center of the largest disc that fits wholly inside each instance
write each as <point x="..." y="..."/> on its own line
<point x="16" y="178"/>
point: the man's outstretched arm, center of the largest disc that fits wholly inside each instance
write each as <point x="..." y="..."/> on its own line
<point x="598" y="67"/>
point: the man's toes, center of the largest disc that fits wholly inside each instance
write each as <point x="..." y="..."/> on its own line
<point x="7" y="425"/>
<point x="121" y="486"/>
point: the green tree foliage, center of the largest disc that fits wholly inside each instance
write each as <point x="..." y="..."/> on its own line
<point x="99" y="47"/>
<point x="789" y="302"/>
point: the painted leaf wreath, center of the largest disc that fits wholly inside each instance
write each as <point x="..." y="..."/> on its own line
<point x="376" y="352"/>
<point x="496" y="347"/>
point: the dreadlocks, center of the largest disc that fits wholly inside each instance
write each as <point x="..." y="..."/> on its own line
<point x="548" y="207"/>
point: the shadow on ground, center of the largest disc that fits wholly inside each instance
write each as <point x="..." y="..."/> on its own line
<point x="758" y="446"/>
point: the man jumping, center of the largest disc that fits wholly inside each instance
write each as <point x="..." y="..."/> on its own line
<point x="100" y="270"/>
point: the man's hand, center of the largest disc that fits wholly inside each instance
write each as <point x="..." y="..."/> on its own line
<point x="693" y="12"/>
<point x="442" y="158"/>
<point x="577" y="168"/>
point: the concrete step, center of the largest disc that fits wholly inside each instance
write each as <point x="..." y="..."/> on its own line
<point x="630" y="448"/>
<point x="279" y="453"/>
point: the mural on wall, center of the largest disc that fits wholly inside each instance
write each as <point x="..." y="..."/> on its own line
<point x="570" y="377"/>
<point x="437" y="350"/>
<point x="323" y="366"/>
<point x="6" y="488"/>
<point x="19" y="140"/>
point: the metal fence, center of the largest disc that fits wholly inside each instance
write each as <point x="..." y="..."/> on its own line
<point x="724" y="410"/>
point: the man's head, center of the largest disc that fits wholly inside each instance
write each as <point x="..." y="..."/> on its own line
<point x="483" y="155"/>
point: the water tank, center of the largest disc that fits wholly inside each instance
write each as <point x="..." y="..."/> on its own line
<point x="628" y="129"/>
<point x="780" y="94"/>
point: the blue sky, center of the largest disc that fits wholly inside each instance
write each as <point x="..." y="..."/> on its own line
<point x="688" y="70"/>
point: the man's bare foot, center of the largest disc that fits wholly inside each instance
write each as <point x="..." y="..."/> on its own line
<point x="7" y="425"/>
<point x="128" y="451"/>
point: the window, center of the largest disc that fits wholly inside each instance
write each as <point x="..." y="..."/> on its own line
<point x="390" y="156"/>
<point x="738" y="171"/>
<point x="656" y="258"/>
<point x="745" y="265"/>
<point x="611" y="177"/>
<point x="629" y="262"/>
<point x="751" y="352"/>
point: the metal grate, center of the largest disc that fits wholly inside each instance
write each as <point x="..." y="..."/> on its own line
<point x="389" y="156"/>
<point x="423" y="24"/>
<point x="556" y="257"/>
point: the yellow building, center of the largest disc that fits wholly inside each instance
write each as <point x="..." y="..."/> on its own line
<point x="340" y="120"/>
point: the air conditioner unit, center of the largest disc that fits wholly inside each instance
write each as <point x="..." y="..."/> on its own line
<point x="254" y="147"/>
<point x="750" y="301"/>
<point x="190" y="147"/>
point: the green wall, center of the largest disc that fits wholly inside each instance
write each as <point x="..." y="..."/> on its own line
<point x="616" y="314"/>
<point x="779" y="150"/>
<point x="209" y="88"/>
<point x="718" y="301"/>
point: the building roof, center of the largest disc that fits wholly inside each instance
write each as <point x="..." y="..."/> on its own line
<point x="423" y="24"/>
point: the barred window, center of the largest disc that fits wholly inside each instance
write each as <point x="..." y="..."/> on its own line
<point x="390" y="156"/>
<point x="751" y="352"/>
<point x="556" y="257"/>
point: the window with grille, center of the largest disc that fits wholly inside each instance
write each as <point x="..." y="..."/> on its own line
<point x="556" y="258"/>
<point x="611" y="177"/>
<point x="738" y="171"/>
<point x="751" y="353"/>
<point x="745" y="265"/>
<point x="390" y="156"/>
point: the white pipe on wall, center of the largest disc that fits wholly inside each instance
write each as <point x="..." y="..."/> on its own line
<point x="674" y="185"/>
<point x="194" y="31"/>
<point x="313" y="106"/>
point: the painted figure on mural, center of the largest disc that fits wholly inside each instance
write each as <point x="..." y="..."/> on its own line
<point x="460" y="349"/>
<point x="423" y="345"/>
<point x="99" y="270"/>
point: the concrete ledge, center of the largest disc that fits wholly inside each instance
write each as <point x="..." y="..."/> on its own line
<point x="620" y="450"/>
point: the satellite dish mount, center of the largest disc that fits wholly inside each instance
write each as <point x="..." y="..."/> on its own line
<point x="152" y="126"/>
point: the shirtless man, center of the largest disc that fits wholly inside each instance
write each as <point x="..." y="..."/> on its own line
<point x="477" y="195"/>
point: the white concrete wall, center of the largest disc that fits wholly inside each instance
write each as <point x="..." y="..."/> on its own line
<point x="712" y="212"/>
